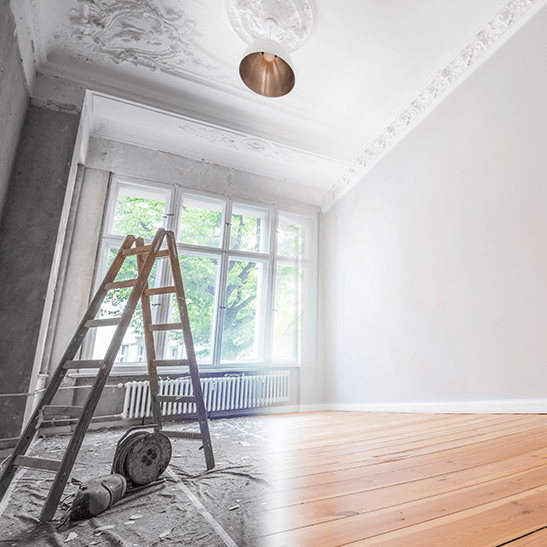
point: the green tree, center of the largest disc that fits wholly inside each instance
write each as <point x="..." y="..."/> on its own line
<point x="142" y="217"/>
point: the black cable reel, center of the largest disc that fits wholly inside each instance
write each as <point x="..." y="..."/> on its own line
<point x="142" y="457"/>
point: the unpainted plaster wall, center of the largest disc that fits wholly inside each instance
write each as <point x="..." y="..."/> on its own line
<point x="435" y="263"/>
<point x="29" y="230"/>
<point x="130" y="160"/>
<point x="14" y="96"/>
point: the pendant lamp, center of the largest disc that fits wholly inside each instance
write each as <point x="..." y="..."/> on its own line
<point x="266" y="67"/>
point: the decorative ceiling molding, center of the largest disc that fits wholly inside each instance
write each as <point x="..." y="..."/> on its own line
<point x="494" y="29"/>
<point x="139" y="32"/>
<point x="294" y="19"/>
<point x="134" y="123"/>
<point x="247" y="143"/>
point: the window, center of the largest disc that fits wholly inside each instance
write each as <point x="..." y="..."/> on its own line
<point x="248" y="272"/>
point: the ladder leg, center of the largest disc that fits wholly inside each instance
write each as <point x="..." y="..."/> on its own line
<point x="58" y="375"/>
<point x="189" y="343"/>
<point x="59" y="483"/>
<point x="150" y="349"/>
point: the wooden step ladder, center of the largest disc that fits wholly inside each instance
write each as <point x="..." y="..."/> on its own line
<point x="146" y="257"/>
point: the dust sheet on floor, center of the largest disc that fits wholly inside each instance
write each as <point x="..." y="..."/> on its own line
<point x="189" y="506"/>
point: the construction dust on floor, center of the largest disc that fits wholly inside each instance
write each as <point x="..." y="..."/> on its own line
<point x="190" y="506"/>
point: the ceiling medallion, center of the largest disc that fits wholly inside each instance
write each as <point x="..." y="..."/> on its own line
<point x="294" y="18"/>
<point x="272" y="29"/>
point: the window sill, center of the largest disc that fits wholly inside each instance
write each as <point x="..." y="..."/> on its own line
<point x="140" y="369"/>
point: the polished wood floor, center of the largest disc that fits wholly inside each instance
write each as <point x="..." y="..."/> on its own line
<point x="406" y="480"/>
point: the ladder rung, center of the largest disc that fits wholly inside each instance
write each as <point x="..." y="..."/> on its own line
<point x="166" y="326"/>
<point x="126" y="283"/>
<point x="111" y="321"/>
<point x="170" y="362"/>
<point x="182" y="434"/>
<point x="159" y="290"/>
<point x="38" y="463"/>
<point x="60" y="410"/>
<point x="137" y="250"/>
<point x="175" y="398"/>
<point x="145" y="249"/>
<point x="88" y="363"/>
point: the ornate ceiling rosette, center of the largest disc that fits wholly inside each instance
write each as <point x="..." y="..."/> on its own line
<point x="294" y="20"/>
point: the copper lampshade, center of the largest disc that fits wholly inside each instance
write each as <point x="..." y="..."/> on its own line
<point x="266" y="69"/>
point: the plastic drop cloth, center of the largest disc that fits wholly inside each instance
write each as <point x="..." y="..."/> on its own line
<point x="234" y="493"/>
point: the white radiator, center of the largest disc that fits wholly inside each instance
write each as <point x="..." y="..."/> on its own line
<point x="220" y="393"/>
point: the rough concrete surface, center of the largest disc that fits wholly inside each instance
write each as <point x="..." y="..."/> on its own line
<point x="14" y="96"/>
<point x="28" y="235"/>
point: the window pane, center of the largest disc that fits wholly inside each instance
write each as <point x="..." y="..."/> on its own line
<point x="201" y="223"/>
<point x="287" y="321"/>
<point x="291" y="238"/>
<point x="250" y="229"/>
<point x="132" y="348"/>
<point x="199" y="277"/>
<point x="240" y="335"/>
<point x="139" y="213"/>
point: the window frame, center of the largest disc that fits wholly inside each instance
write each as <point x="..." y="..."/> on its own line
<point x="174" y="199"/>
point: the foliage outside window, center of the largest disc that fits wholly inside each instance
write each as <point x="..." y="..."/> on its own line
<point x="247" y="271"/>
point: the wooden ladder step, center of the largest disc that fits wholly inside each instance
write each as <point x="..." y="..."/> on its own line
<point x="175" y="398"/>
<point x="38" y="463"/>
<point x="137" y="250"/>
<point x="182" y="434"/>
<point x="60" y="410"/>
<point x="160" y="290"/>
<point x="170" y="362"/>
<point x="87" y="363"/>
<point x="110" y="322"/>
<point x="125" y="284"/>
<point x="145" y="249"/>
<point x="165" y="326"/>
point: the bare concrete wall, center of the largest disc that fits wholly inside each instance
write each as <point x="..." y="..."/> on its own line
<point x="28" y="236"/>
<point x="136" y="161"/>
<point x="74" y="289"/>
<point x="14" y="96"/>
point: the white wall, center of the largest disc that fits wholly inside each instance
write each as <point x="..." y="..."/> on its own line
<point x="435" y="264"/>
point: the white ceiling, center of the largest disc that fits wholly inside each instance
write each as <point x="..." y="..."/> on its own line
<point x="366" y="71"/>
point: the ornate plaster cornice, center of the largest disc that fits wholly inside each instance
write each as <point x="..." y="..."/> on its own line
<point x="461" y="64"/>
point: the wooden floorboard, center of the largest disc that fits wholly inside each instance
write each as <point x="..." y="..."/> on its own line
<point x="392" y="480"/>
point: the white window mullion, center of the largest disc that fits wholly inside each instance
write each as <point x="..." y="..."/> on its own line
<point x="161" y="304"/>
<point x="270" y="294"/>
<point x="221" y="297"/>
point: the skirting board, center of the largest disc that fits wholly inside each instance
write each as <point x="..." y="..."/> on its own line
<point x="509" y="406"/>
